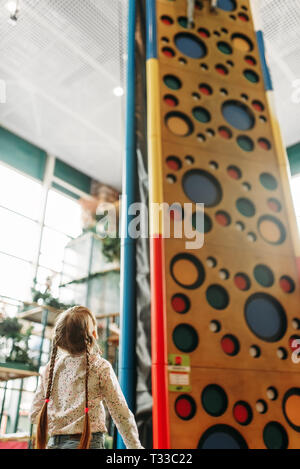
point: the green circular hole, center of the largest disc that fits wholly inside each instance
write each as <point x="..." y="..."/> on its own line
<point x="275" y="436"/>
<point x="268" y="181"/>
<point x="263" y="275"/>
<point x="201" y="114"/>
<point x="251" y="76"/>
<point x="183" y="21"/>
<point x="185" y="338"/>
<point x="217" y="297"/>
<point x="214" y="400"/>
<point x="245" y="143"/>
<point x="245" y="207"/>
<point x="172" y="82"/>
<point x="201" y="222"/>
<point x="224" y="47"/>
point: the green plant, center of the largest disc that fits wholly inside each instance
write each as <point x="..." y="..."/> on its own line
<point x="16" y="341"/>
<point x="47" y="298"/>
<point x="111" y="248"/>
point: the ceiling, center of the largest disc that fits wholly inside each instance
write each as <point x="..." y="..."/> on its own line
<point x="63" y="59"/>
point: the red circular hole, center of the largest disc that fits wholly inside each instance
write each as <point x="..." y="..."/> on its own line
<point x="168" y="52"/>
<point x="221" y="69"/>
<point x="203" y="32"/>
<point x="180" y="303"/>
<point x="264" y="144"/>
<point x="166" y="20"/>
<point x="185" y="407"/>
<point x="205" y="89"/>
<point x="250" y="60"/>
<point x="243" y="17"/>
<point x="242" y="413"/>
<point x="258" y="106"/>
<point x="242" y="281"/>
<point x="224" y="132"/>
<point x="294" y="346"/>
<point x="173" y="163"/>
<point x="287" y="284"/>
<point x="170" y="100"/>
<point x="274" y="205"/>
<point x="230" y="345"/>
<point x="223" y="218"/>
<point x="234" y="172"/>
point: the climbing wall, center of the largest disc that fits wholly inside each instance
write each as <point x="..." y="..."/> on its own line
<point x="224" y="317"/>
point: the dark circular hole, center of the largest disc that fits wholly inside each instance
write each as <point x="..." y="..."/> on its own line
<point x="224" y="47"/>
<point x="185" y="338"/>
<point x="227" y="5"/>
<point x="202" y="222"/>
<point x="180" y="303"/>
<point x="254" y="351"/>
<point x="245" y="207"/>
<point x="190" y="45"/>
<point x="272" y="393"/>
<point x="245" y="143"/>
<point x="268" y="181"/>
<point x="172" y="82"/>
<point x="222" y="437"/>
<point x="275" y="436"/>
<point x="265" y="317"/>
<point x="187" y="271"/>
<point x="217" y="297"/>
<point x="201" y="114"/>
<point x="202" y="187"/>
<point x="214" y="400"/>
<point x="238" y="114"/>
<point x="251" y="76"/>
<point x="211" y="262"/>
<point x="263" y="275"/>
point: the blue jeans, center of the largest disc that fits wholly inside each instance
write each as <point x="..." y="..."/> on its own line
<point x="72" y="441"/>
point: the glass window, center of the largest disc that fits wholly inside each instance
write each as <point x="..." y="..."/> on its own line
<point x="15" y="278"/>
<point x="18" y="235"/>
<point x="43" y="276"/>
<point x="296" y="196"/>
<point x="63" y="214"/>
<point x="20" y="193"/>
<point x="52" y="248"/>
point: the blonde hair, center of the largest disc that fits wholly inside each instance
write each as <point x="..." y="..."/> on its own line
<point x="71" y="333"/>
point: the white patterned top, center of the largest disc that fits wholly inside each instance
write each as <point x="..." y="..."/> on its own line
<point x="67" y="400"/>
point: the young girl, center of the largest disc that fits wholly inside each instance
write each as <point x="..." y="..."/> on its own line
<point x="68" y="401"/>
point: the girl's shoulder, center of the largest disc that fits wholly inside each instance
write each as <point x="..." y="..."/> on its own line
<point x="98" y="362"/>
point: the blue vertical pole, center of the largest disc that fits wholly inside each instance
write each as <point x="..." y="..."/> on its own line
<point x="127" y="355"/>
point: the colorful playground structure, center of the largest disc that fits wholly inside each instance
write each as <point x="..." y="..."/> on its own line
<point x="224" y="318"/>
